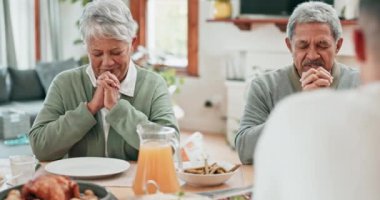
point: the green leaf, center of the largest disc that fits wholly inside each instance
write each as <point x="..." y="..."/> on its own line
<point x="84" y="2"/>
<point x="78" y="41"/>
<point x="181" y="80"/>
<point x="77" y="23"/>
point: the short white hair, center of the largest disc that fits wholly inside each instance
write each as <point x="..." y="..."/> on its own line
<point x="315" y="11"/>
<point x="108" y="19"/>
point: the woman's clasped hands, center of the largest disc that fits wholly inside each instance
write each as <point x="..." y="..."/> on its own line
<point x="106" y="93"/>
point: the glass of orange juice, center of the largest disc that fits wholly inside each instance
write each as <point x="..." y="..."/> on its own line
<point x="155" y="165"/>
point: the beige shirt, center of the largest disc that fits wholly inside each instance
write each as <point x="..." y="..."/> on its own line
<point x="321" y="145"/>
<point x="127" y="87"/>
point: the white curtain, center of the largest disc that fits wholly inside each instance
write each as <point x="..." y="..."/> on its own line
<point x="20" y="30"/>
<point x="51" y="39"/>
<point x="7" y="42"/>
<point x="3" y="61"/>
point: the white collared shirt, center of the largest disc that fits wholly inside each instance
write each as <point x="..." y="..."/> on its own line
<point x="127" y="87"/>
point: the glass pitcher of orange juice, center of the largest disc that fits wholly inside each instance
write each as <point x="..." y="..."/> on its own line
<point x="155" y="164"/>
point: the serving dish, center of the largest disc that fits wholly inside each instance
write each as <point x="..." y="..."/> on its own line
<point x="101" y="192"/>
<point x="206" y="179"/>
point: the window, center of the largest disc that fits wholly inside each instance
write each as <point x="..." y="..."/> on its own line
<point x="177" y="43"/>
<point x="167" y="31"/>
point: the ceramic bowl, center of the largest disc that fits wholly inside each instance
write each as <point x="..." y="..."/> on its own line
<point x="206" y="179"/>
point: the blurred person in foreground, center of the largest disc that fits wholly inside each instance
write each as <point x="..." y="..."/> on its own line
<point x="94" y="110"/>
<point x="314" y="38"/>
<point x="328" y="148"/>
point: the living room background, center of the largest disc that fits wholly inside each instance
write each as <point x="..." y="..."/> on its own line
<point x="216" y="42"/>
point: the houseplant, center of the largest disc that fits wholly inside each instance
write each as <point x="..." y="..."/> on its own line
<point x="142" y="58"/>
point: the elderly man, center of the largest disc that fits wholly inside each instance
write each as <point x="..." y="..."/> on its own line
<point x="328" y="148"/>
<point x="314" y="39"/>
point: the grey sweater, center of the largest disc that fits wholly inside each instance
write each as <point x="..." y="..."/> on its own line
<point x="267" y="90"/>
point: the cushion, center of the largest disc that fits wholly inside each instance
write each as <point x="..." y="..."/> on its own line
<point x="5" y="85"/>
<point x="48" y="70"/>
<point x="25" y="85"/>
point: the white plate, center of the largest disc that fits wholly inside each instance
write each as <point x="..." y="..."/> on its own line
<point x="161" y="196"/>
<point x="87" y="167"/>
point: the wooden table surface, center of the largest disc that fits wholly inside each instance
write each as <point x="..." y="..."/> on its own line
<point x="215" y="146"/>
<point x="242" y="178"/>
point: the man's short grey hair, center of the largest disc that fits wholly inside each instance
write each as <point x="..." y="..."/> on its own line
<point x="315" y="12"/>
<point x="109" y="19"/>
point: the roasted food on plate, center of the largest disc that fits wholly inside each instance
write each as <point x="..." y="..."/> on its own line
<point x="50" y="187"/>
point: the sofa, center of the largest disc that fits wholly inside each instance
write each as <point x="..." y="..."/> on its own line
<point x="25" y="90"/>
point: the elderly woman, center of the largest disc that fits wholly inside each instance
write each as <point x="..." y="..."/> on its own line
<point x="94" y="110"/>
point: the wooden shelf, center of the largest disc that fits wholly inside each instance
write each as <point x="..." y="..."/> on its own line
<point x="246" y="24"/>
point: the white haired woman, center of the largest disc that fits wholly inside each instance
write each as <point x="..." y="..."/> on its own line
<point x="94" y="110"/>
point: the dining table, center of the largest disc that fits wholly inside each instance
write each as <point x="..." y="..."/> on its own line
<point x="120" y="185"/>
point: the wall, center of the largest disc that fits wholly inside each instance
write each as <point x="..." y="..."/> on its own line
<point x="217" y="41"/>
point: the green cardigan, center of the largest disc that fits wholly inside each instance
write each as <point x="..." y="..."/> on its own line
<point x="64" y="126"/>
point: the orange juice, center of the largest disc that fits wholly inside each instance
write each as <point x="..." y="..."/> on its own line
<point x="155" y="163"/>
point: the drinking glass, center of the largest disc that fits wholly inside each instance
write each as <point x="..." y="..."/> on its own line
<point x="22" y="168"/>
